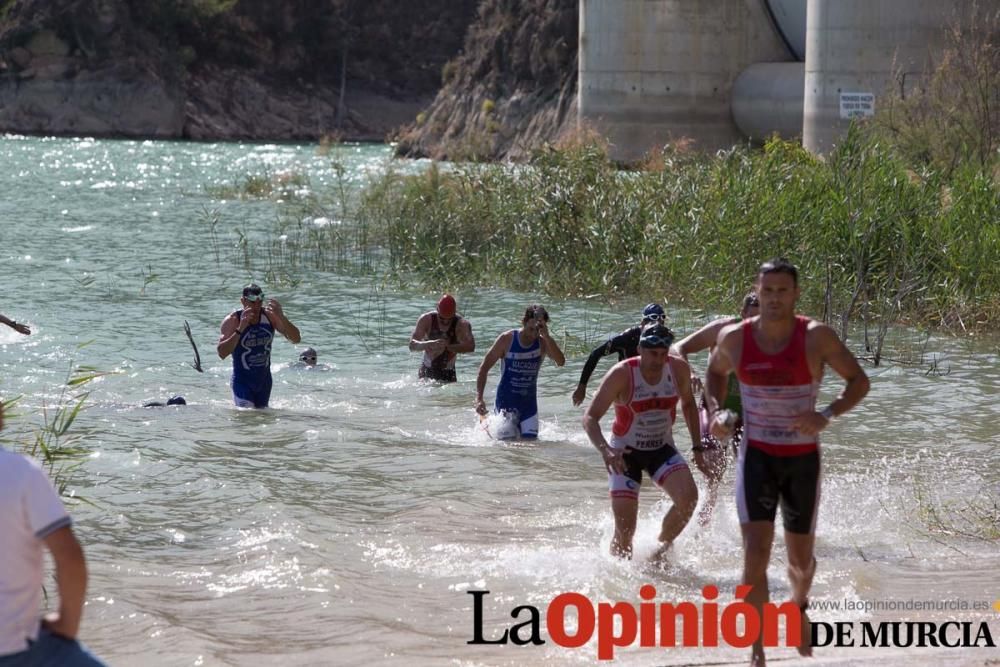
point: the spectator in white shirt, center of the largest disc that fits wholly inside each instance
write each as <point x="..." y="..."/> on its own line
<point x="33" y="516"/>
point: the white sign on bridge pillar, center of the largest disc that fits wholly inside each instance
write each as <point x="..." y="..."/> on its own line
<point x="857" y="105"/>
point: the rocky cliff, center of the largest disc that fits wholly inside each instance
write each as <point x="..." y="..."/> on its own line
<point x="223" y="69"/>
<point x="295" y="69"/>
<point x="511" y="90"/>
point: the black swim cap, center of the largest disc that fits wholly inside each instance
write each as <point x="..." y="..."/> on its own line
<point x="656" y="335"/>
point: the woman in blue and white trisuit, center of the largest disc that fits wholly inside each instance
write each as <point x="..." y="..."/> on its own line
<point x="522" y="351"/>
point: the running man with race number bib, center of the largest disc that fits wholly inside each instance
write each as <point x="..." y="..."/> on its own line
<point x="779" y="358"/>
<point x="645" y="391"/>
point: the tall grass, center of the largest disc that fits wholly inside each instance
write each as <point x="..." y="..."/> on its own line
<point x="871" y="237"/>
<point x="309" y="231"/>
<point x="54" y="443"/>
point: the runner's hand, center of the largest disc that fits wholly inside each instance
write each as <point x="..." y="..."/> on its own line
<point x="613" y="459"/>
<point x="810" y="423"/>
<point x="436" y="347"/>
<point x="481" y="406"/>
<point x="273" y="308"/>
<point x="250" y="317"/>
<point x="579" y="394"/>
<point x="55" y="624"/>
<point x="719" y="428"/>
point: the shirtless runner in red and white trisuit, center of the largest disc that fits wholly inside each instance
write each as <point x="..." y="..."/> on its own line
<point x="779" y="358"/>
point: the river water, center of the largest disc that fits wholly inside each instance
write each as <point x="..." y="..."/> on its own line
<point x="347" y="524"/>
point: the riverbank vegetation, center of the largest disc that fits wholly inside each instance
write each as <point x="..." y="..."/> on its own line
<point x="900" y="224"/>
<point x="872" y="235"/>
<point x="54" y="442"/>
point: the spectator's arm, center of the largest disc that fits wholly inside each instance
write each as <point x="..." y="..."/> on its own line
<point x="71" y="579"/>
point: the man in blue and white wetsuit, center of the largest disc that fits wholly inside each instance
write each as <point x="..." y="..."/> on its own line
<point x="522" y="351"/>
<point x="247" y="335"/>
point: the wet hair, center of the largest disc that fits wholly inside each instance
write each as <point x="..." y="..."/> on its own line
<point x="779" y="265"/>
<point x="173" y="400"/>
<point x="529" y="313"/>
<point x="252" y="288"/>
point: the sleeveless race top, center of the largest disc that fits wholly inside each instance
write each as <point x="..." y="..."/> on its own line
<point x="445" y="360"/>
<point x="520" y="369"/>
<point x="775" y="389"/>
<point x="252" y="356"/>
<point x="646" y="421"/>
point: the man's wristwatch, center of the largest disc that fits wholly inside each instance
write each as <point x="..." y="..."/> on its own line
<point x="827" y="413"/>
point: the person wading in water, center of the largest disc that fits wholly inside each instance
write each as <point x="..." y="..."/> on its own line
<point x="779" y="358"/>
<point x="441" y="334"/>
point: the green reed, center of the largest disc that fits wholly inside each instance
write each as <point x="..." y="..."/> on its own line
<point x="308" y="232"/>
<point x="55" y="443"/>
<point x="873" y="239"/>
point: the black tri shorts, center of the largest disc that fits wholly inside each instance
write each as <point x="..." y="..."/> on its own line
<point x="764" y="480"/>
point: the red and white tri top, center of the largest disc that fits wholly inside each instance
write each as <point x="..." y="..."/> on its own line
<point x="777" y="388"/>
<point x="645" y="421"/>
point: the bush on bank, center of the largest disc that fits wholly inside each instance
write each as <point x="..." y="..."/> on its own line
<point x="871" y="237"/>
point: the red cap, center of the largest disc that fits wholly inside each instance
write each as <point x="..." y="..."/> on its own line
<point x="446" y="306"/>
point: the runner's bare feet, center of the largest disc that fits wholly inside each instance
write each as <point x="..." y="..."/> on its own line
<point x="805" y="638"/>
<point x="661" y="556"/>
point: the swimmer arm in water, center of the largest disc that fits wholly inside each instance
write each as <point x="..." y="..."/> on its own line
<point x="16" y="326"/>
<point x="232" y="328"/>
<point x="682" y="377"/>
<point x="419" y="341"/>
<point x="723" y="360"/>
<point x="466" y="341"/>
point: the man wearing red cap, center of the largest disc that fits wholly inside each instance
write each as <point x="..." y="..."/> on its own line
<point x="441" y="335"/>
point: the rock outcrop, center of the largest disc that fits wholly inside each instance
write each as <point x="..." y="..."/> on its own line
<point x="220" y="69"/>
<point x="512" y="89"/>
<point x="295" y="70"/>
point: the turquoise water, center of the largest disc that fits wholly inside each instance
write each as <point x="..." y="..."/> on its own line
<point x="345" y="524"/>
